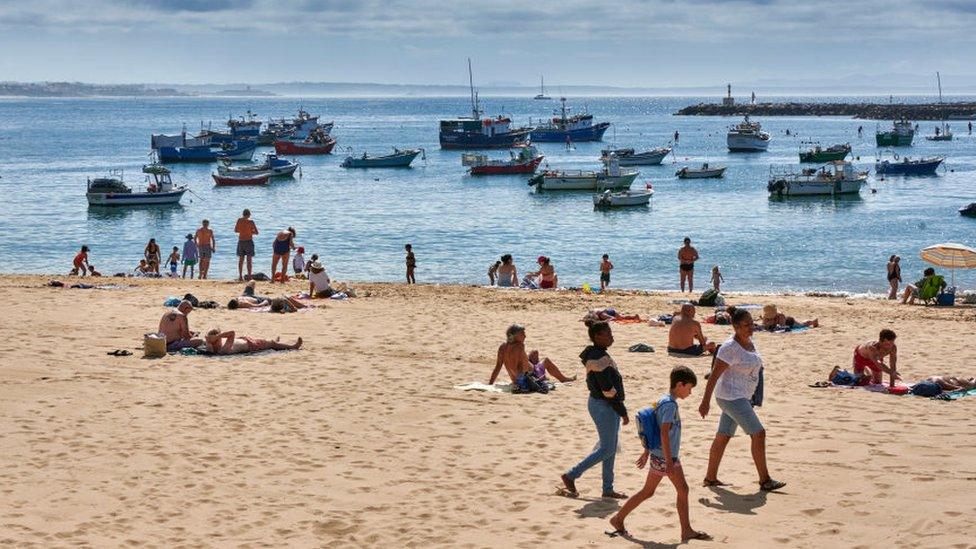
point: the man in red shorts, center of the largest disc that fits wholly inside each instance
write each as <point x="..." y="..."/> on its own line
<point x="870" y="356"/>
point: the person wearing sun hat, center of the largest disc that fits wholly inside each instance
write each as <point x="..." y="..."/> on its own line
<point x="319" y="283"/>
<point x="546" y="273"/>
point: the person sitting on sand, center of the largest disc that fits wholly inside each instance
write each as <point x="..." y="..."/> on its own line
<point x="492" y="270"/>
<point x="176" y="327"/>
<point x="319" y="283"/>
<point x="546" y="274"/>
<point x="506" y="276"/>
<point x="930" y="284"/>
<point x="684" y="331"/>
<point x="92" y="271"/>
<point x="142" y="269"/>
<point x="773" y="319"/>
<point x="953" y="383"/>
<point x="512" y="356"/>
<point x="227" y="343"/>
<point x="870" y="356"/>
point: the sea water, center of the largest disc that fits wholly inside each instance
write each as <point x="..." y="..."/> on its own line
<point x="359" y="220"/>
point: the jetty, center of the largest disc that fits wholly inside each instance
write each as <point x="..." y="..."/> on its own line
<point x="871" y="111"/>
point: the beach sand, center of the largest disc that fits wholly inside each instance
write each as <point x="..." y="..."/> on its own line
<point x="361" y="439"/>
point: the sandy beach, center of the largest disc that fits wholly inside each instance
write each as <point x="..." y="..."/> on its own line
<point x="361" y="438"/>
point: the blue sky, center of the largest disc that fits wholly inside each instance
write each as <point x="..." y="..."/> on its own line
<point x="653" y="43"/>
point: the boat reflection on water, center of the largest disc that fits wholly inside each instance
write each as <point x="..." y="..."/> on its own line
<point x="816" y="203"/>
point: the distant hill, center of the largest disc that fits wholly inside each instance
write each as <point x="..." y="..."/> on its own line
<point x="79" y="89"/>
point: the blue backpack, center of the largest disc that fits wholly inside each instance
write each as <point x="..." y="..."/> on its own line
<point x="648" y="426"/>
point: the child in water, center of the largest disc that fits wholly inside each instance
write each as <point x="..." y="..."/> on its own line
<point x="717" y="279"/>
<point x="605" y="268"/>
<point x="174" y="261"/>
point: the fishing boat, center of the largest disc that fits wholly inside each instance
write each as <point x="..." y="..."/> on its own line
<point x="630" y="157"/>
<point x="565" y="127"/>
<point x="907" y="166"/>
<point x="705" y="172"/>
<point x="300" y="126"/>
<point x="475" y="132"/>
<point x="235" y="180"/>
<point x="901" y="134"/>
<point x="941" y="133"/>
<point x="112" y="190"/>
<point x="180" y="148"/>
<point x="400" y="158"/>
<point x="747" y="136"/>
<point x="611" y="177"/>
<point x="273" y="164"/>
<point x="819" y="155"/>
<point x="835" y="178"/>
<point x="968" y="211"/>
<point x="526" y="160"/>
<point x="322" y="144"/>
<point x="610" y="199"/>
<point x="245" y="127"/>
<point x="542" y="90"/>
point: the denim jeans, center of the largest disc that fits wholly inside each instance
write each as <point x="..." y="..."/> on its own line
<point x="607" y="427"/>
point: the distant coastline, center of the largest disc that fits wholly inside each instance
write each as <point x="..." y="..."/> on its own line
<point x="872" y="111"/>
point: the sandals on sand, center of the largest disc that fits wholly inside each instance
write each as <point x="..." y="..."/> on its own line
<point x="614" y="495"/>
<point x="771" y="485"/>
<point x="710" y="483"/>
<point x="819" y="384"/>
<point x="698" y="535"/>
<point x="615" y="533"/>
<point x="120" y="352"/>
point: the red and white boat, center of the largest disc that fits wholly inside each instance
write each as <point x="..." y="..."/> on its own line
<point x="526" y="161"/>
<point x="241" y="179"/>
<point x="323" y="145"/>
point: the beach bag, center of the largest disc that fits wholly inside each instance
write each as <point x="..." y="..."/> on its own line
<point x="154" y="346"/>
<point x="648" y="427"/>
<point x="926" y="389"/>
<point x="192" y="299"/>
<point x="708" y="298"/>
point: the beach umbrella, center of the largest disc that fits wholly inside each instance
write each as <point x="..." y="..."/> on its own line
<point x="951" y="256"/>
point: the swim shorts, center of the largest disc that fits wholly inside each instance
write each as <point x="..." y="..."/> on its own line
<point x="694" y="350"/>
<point x="245" y="248"/>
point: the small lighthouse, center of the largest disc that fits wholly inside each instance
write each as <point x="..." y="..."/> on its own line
<point x="727" y="101"/>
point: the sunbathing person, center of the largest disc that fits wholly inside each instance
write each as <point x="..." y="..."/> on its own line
<point x="773" y="319"/>
<point x="286" y="304"/>
<point x="684" y="331"/>
<point x="953" y="383"/>
<point x="512" y="356"/>
<point x="248" y="302"/>
<point x="597" y="315"/>
<point x="227" y="343"/>
<point x="870" y="357"/>
<point x="176" y="327"/>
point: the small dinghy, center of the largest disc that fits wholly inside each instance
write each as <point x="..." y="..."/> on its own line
<point x="630" y="157"/>
<point x="610" y="199"/>
<point x="260" y="178"/>
<point x="907" y="166"/>
<point x="968" y="211"/>
<point x="705" y="172"/>
<point x="272" y="164"/>
<point x="401" y="158"/>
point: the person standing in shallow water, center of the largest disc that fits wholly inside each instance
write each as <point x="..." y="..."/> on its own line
<point x="207" y="245"/>
<point x="411" y="262"/>
<point x="687" y="256"/>
<point x="606" y="407"/>
<point x="245" y="229"/>
<point x="894" y="275"/>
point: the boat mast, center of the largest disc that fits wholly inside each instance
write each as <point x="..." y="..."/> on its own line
<point x="938" y="79"/>
<point x="475" y="111"/>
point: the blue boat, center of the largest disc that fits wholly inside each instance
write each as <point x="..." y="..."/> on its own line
<point x="907" y="166"/>
<point x="179" y="148"/>
<point x="473" y="132"/>
<point x="562" y="128"/>
<point x="248" y="127"/>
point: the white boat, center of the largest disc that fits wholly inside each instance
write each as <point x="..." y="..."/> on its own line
<point x="630" y="157"/>
<point x="747" y="137"/>
<point x="705" y="172"/>
<point x="112" y="190"/>
<point x="272" y="164"/>
<point x="610" y="199"/>
<point x="835" y="178"/>
<point x="542" y="90"/>
<point x="611" y="177"/>
<point x="943" y="133"/>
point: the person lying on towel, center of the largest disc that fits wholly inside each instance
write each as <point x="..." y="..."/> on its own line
<point x="227" y="343"/>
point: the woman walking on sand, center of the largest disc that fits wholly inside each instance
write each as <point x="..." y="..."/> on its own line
<point x="283" y="244"/>
<point x="735" y="377"/>
<point x="894" y="275"/>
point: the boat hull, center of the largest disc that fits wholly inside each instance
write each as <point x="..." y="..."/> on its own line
<point x="814" y="188"/>
<point x="583" y="182"/>
<point x="715" y="173"/>
<point x="891" y="139"/>
<point x="507" y="169"/>
<point x="624" y="199"/>
<point x="237" y="181"/>
<point x="392" y="161"/>
<point x="823" y="156"/>
<point x="554" y="135"/>
<point x="479" y="140"/>
<point x="244" y="150"/>
<point x="648" y="158"/>
<point x="284" y="146"/>
<point x="926" y="167"/>
<point x="746" y="143"/>
<point x="135" y="199"/>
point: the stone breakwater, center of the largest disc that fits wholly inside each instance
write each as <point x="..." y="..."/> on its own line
<point x="873" y="111"/>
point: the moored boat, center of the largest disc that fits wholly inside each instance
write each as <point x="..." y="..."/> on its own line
<point x="180" y="148"/>
<point x="272" y="164"/>
<point x="233" y="180"/>
<point x="526" y="161"/>
<point x="112" y="190"/>
<point x="747" y="136"/>
<point x="400" y="158"/>
<point x="310" y="145"/>
<point x="901" y="134"/>
<point x="611" y="177"/>
<point x="942" y="133"/>
<point x="819" y="155"/>
<point x="835" y="178"/>
<point x="907" y="166"/>
<point x="565" y="127"/>
<point x="630" y="157"/>
<point x="610" y="199"/>
<point x="968" y="211"/>
<point x="705" y="172"/>
<point x="475" y="132"/>
<point x="541" y="96"/>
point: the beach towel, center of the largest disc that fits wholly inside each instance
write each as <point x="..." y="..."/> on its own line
<point x="485" y="388"/>
<point x="788" y="329"/>
<point x="955" y="395"/>
<point x="627" y="320"/>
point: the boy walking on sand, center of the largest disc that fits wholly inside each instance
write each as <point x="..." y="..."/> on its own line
<point x="411" y="264"/>
<point x="660" y="430"/>
<point x="605" y="268"/>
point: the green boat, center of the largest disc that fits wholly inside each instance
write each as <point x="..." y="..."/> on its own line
<point x="900" y="135"/>
<point x="820" y="155"/>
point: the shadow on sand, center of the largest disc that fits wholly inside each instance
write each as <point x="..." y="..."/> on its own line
<point x="726" y="500"/>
